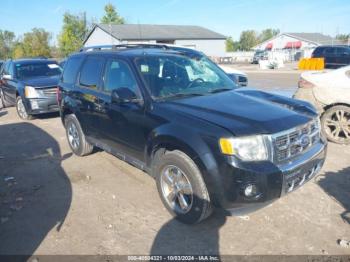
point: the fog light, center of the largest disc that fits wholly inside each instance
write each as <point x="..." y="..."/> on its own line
<point x="250" y="191"/>
<point x="34" y="104"/>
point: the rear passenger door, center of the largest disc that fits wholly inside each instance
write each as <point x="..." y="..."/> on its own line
<point x="86" y="94"/>
<point x="330" y="57"/>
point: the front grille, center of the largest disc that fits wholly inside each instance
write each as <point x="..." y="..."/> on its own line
<point x="294" y="142"/>
<point x="51" y="91"/>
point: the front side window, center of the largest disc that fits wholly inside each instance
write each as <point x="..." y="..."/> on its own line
<point x="118" y="76"/>
<point x="180" y="75"/>
<point x="33" y="70"/>
<point x="91" y="72"/>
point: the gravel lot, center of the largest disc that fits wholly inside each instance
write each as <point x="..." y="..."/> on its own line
<point x="52" y="202"/>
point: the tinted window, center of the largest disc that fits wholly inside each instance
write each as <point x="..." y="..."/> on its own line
<point x="329" y="51"/>
<point x="47" y="69"/>
<point x="5" y="69"/>
<point x="12" y="70"/>
<point x="118" y="76"/>
<point x="71" y="69"/>
<point x="91" y="72"/>
<point x="343" y="51"/>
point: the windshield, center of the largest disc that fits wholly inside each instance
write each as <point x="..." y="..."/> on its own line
<point x="174" y="75"/>
<point x="24" y="71"/>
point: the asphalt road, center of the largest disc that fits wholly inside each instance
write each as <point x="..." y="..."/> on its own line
<point x="52" y="202"/>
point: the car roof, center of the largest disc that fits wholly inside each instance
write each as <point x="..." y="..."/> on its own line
<point x="139" y="50"/>
<point x="33" y="61"/>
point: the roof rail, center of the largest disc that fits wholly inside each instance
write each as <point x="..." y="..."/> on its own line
<point x="121" y="46"/>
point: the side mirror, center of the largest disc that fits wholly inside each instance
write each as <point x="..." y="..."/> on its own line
<point x="123" y="95"/>
<point x="7" y="77"/>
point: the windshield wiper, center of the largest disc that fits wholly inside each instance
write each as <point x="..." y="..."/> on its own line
<point x="219" y="90"/>
<point x="179" y="95"/>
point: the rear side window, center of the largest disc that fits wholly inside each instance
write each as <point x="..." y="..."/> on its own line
<point x="71" y="70"/>
<point x="343" y="51"/>
<point x="90" y="75"/>
<point x="329" y="51"/>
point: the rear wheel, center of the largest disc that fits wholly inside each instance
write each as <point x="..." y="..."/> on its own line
<point x="76" y="137"/>
<point x="181" y="187"/>
<point x="336" y="124"/>
<point x="21" y="110"/>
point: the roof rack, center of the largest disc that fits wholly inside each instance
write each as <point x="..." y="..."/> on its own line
<point x="122" y="46"/>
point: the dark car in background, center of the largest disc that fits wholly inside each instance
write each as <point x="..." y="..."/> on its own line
<point x="175" y="114"/>
<point x="334" y="56"/>
<point x="30" y="85"/>
<point x="260" y="55"/>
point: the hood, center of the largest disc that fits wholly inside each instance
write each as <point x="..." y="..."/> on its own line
<point x="42" y="81"/>
<point x="230" y="70"/>
<point x="246" y="112"/>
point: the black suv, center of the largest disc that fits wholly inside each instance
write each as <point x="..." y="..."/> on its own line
<point x="176" y="115"/>
<point x="30" y="85"/>
<point x="334" y="56"/>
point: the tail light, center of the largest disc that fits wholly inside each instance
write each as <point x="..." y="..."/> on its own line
<point x="305" y="84"/>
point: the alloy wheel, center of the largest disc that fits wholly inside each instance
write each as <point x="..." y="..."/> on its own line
<point x="176" y="189"/>
<point x="21" y="109"/>
<point x="337" y="125"/>
<point x="73" y="135"/>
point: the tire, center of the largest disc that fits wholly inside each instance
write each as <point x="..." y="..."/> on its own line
<point x="2" y="102"/>
<point x="76" y="137"/>
<point x="336" y="124"/>
<point x="186" y="187"/>
<point x="21" y="110"/>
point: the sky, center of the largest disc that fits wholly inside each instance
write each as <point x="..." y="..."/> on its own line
<point x="229" y="17"/>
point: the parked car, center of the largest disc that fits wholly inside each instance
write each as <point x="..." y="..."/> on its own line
<point x="334" y="56"/>
<point x="260" y="55"/>
<point x="329" y="92"/>
<point x="30" y="85"/>
<point x="175" y="114"/>
<point x="239" y="77"/>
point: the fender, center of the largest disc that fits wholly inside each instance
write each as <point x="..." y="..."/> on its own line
<point x="199" y="148"/>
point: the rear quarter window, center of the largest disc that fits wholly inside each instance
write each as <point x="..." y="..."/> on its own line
<point x="71" y="69"/>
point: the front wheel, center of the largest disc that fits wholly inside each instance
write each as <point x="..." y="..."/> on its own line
<point x="21" y="110"/>
<point x="336" y="124"/>
<point x="181" y="187"/>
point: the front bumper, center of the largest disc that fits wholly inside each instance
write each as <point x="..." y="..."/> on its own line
<point x="272" y="181"/>
<point x="42" y="105"/>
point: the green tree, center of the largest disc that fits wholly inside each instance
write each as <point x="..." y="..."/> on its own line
<point x="232" y="46"/>
<point x="73" y="33"/>
<point x="268" y="33"/>
<point x="343" y="37"/>
<point x="248" y="39"/>
<point x="7" y="42"/>
<point x="111" y="16"/>
<point x="34" y="43"/>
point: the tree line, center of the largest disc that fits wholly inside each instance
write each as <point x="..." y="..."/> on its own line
<point x="36" y="43"/>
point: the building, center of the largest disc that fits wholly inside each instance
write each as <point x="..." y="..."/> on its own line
<point x="296" y="45"/>
<point x="199" y="38"/>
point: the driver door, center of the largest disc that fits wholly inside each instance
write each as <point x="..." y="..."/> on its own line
<point x="123" y="122"/>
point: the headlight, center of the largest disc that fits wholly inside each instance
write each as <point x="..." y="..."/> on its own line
<point x="31" y="92"/>
<point x="252" y="148"/>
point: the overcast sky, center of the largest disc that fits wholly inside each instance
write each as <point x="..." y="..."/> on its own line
<point x="228" y="17"/>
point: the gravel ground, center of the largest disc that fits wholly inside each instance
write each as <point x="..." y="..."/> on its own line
<point x="52" y="202"/>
